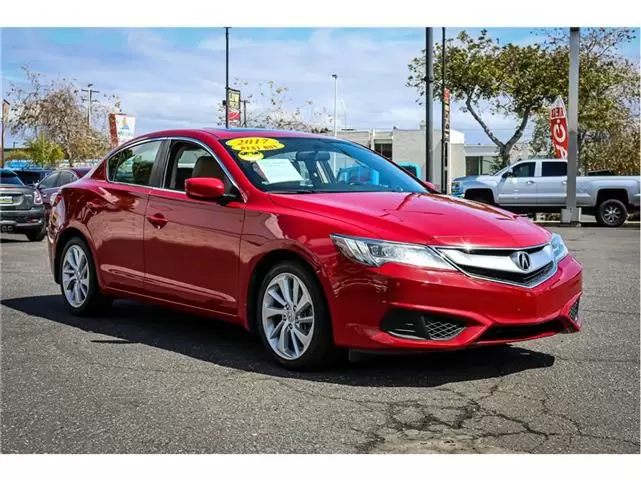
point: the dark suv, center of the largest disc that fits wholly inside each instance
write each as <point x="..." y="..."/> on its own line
<point x="21" y="208"/>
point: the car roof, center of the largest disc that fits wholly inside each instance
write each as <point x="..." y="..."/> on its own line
<point x="226" y="133"/>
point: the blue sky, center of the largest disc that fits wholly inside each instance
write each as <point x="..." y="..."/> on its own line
<point x="174" y="77"/>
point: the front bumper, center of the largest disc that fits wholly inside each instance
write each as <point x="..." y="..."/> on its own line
<point x="489" y="312"/>
<point x="21" y="221"/>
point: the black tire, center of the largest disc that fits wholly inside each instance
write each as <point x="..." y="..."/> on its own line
<point x="321" y="351"/>
<point x="611" y="213"/>
<point x="37" y="236"/>
<point x="95" y="302"/>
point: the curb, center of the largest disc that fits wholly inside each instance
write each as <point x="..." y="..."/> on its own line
<point x="550" y="223"/>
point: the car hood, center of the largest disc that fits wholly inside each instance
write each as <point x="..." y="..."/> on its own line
<point x="421" y="218"/>
<point x="478" y="178"/>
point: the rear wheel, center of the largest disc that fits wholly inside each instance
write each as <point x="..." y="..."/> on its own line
<point x="78" y="280"/>
<point x="293" y="319"/>
<point x="611" y="213"/>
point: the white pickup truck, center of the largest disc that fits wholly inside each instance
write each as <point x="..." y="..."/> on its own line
<point x="540" y="186"/>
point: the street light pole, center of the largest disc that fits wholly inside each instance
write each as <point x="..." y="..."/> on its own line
<point x="444" y="181"/>
<point x="335" y="77"/>
<point x="226" y="77"/>
<point x="571" y="214"/>
<point x="5" y="110"/>
<point x="245" y="113"/>
<point x="429" y="99"/>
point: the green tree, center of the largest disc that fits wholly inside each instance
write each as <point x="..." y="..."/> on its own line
<point x="275" y="110"/>
<point x="608" y="131"/>
<point x="17" y="155"/>
<point x="43" y="151"/>
<point x="487" y="77"/>
<point x="55" y="108"/>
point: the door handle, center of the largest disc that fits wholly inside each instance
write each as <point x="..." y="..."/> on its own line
<point x="530" y="182"/>
<point x="158" y="220"/>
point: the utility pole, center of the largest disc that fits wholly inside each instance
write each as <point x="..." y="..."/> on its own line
<point x="444" y="182"/>
<point x="90" y="91"/>
<point x="226" y="77"/>
<point x="5" y="114"/>
<point x="570" y="215"/>
<point x="429" y="97"/>
<point x="245" y="113"/>
<point x="335" y="77"/>
<point x="344" y="113"/>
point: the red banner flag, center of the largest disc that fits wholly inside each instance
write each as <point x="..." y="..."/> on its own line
<point x="559" y="128"/>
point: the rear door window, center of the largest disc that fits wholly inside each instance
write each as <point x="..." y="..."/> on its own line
<point x="554" y="169"/>
<point x="50" y="182"/>
<point x="66" y="177"/>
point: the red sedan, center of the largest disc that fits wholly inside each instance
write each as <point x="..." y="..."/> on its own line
<point x="256" y="227"/>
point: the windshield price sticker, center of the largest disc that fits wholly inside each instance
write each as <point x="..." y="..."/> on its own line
<point x="254" y="144"/>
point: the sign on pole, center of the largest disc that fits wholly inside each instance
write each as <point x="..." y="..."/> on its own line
<point x="233" y="100"/>
<point x="121" y="128"/>
<point x="559" y="128"/>
<point x="446" y="116"/>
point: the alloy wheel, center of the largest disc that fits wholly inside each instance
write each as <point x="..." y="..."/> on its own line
<point x="612" y="214"/>
<point x="75" y="276"/>
<point x="288" y="316"/>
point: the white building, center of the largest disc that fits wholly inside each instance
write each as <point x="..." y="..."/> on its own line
<point x="479" y="158"/>
<point x="408" y="146"/>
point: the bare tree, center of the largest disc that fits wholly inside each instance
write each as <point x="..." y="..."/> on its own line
<point x="274" y="109"/>
<point x="54" y="109"/>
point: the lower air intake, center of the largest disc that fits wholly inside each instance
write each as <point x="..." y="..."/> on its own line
<point x="419" y="326"/>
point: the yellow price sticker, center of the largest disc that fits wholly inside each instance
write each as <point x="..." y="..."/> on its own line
<point x="254" y="144"/>
<point x="251" y="156"/>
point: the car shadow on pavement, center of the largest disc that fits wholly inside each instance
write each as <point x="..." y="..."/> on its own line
<point x="231" y="346"/>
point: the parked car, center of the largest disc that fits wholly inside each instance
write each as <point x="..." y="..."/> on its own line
<point x="48" y="186"/>
<point x="412" y="168"/>
<point x="31" y="176"/>
<point x="311" y="265"/>
<point x="540" y="186"/>
<point x="21" y="208"/>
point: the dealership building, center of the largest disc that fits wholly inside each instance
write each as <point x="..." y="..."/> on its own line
<point x="408" y="146"/>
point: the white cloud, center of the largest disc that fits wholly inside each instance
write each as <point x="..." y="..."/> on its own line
<point x="168" y="85"/>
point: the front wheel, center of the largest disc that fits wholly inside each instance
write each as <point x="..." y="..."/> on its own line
<point x="611" y="213"/>
<point x="78" y="280"/>
<point x="293" y="319"/>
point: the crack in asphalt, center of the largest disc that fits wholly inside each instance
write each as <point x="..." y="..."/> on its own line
<point x="428" y="433"/>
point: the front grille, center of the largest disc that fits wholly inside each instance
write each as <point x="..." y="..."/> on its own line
<point x="419" y="326"/>
<point x="574" y="311"/>
<point x="512" y="277"/>
<point x="521" y="332"/>
<point x="499" y="265"/>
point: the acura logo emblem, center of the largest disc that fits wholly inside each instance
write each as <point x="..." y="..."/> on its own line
<point x="523" y="261"/>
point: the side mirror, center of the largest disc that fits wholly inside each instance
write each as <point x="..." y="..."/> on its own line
<point x="507" y="174"/>
<point x="204" y="188"/>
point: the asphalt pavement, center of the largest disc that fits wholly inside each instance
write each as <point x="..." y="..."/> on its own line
<point x="147" y="380"/>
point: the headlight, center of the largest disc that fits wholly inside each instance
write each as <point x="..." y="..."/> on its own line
<point x="375" y="253"/>
<point x="558" y="247"/>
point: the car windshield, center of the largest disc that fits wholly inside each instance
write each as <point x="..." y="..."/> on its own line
<point x="314" y="165"/>
<point x="9" y="178"/>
